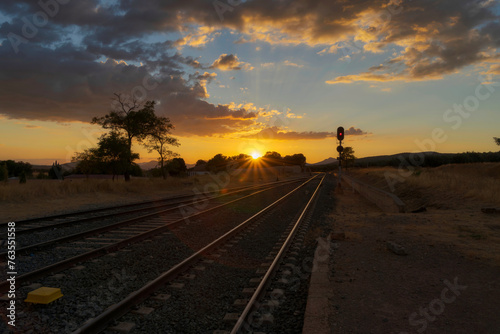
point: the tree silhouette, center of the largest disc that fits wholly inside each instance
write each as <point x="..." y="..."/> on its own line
<point x="273" y="158"/>
<point x="218" y="163"/>
<point x="113" y="151"/>
<point x="4" y="172"/>
<point x="347" y="156"/>
<point x="111" y="155"/>
<point x="22" y="177"/>
<point x="176" y="166"/>
<point x="55" y="171"/>
<point x="87" y="162"/>
<point x="133" y="120"/>
<point x="296" y="159"/>
<point x="497" y="140"/>
<point x="158" y="140"/>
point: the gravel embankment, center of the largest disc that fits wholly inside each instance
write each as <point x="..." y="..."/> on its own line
<point x="200" y="306"/>
<point x="109" y="279"/>
<point x="38" y="259"/>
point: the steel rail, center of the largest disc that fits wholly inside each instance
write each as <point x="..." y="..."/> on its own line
<point x="113" y="226"/>
<point x="274" y="265"/>
<point x="85" y="212"/>
<point x="100" y="323"/>
<point x="68" y="263"/>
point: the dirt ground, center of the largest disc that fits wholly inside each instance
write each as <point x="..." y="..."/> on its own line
<point x="448" y="281"/>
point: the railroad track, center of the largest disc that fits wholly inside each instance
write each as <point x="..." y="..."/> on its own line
<point x="54" y="255"/>
<point x="70" y="219"/>
<point x="149" y="272"/>
<point x="265" y="273"/>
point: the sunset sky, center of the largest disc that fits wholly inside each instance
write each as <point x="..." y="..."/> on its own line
<point x="253" y="76"/>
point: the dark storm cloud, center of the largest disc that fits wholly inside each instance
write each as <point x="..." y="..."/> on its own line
<point x="77" y="89"/>
<point x="49" y="77"/>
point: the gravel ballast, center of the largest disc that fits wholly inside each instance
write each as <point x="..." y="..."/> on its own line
<point x="102" y="282"/>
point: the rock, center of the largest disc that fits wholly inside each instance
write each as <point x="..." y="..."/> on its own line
<point x="421" y="209"/>
<point x="337" y="236"/>
<point x="395" y="248"/>
<point x="490" y="210"/>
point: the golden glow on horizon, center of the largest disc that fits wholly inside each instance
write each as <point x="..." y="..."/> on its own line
<point x="255" y="155"/>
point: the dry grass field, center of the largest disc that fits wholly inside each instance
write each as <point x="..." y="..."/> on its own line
<point x="377" y="291"/>
<point x="449" y="186"/>
<point x="452" y="240"/>
<point x="453" y="196"/>
<point x="46" y="197"/>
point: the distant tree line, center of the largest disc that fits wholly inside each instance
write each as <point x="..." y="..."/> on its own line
<point x="432" y="159"/>
<point x="174" y="167"/>
<point x="221" y="162"/>
<point x="11" y="168"/>
<point x="272" y="158"/>
<point x="24" y="170"/>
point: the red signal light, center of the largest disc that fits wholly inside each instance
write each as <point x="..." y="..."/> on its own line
<point x="340" y="133"/>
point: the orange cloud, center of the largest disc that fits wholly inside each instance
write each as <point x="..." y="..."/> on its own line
<point x="230" y="62"/>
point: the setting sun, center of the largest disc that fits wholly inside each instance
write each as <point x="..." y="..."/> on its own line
<point x="256" y="155"/>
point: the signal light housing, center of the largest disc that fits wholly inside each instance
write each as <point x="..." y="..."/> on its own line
<point x="340" y="133"/>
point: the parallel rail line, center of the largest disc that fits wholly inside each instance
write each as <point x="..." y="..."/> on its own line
<point x="102" y="321"/>
<point x="54" y="221"/>
<point x="128" y="237"/>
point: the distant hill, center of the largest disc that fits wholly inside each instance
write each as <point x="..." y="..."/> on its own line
<point x="422" y="159"/>
<point x="148" y="165"/>
<point x="67" y="166"/>
<point x="324" y="162"/>
<point x="388" y="159"/>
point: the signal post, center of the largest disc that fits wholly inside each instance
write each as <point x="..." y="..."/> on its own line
<point x="340" y="149"/>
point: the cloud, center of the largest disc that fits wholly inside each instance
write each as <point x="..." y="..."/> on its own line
<point x="422" y="40"/>
<point x="289" y="63"/>
<point x="275" y="133"/>
<point x="230" y="62"/>
<point x="430" y="39"/>
<point x="70" y="68"/>
<point x="267" y="65"/>
<point x="352" y="131"/>
<point x="69" y="86"/>
<point x="284" y="63"/>
<point x="194" y="117"/>
<point x="198" y="38"/>
<point x="29" y="126"/>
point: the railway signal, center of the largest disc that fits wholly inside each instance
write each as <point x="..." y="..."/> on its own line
<point x="340" y="149"/>
<point x="340" y="133"/>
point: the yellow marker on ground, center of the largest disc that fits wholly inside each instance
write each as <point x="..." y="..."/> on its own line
<point x="43" y="295"/>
